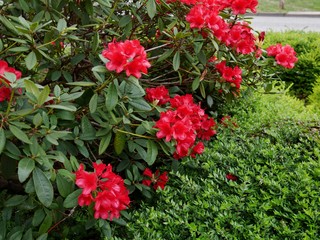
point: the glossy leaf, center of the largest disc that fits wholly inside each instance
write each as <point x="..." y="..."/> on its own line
<point x="43" y="187"/>
<point x="18" y="133"/>
<point x="25" y="167"/>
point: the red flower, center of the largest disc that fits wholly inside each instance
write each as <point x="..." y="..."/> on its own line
<point x="158" y="95"/>
<point x="231" y="177"/>
<point x="5" y="68"/>
<point x="103" y="187"/>
<point x="284" y="55"/>
<point x="157" y="179"/>
<point x="5" y="89"/>
<point x="5" y="93"/>
<point x="127" y="56"/>
<point x="231" y="75"/>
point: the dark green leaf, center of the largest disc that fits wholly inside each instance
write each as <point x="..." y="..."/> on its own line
<point x="65" y="186"/>
<point x="43" y="187"/>
<point x="93" y="103"/>
<point x="140" y="104"/>
<point x="15" y="200"/>
<point x="111" y="97"/>
<point x="38" y="217"/>
<point x="2" y="140"/>
<point x="31" y="60"/>
<point x="152" y="152"/>
<point x="119" y="142"/>
<point x="151" y="8"/>
<point x="104" y="143"/>
<point x="18" y="133"/>
<point x="25" y="167"/>
<point x="46" y="224"/>
<point x="72" y="199"/>
<point x="176" y="61"/>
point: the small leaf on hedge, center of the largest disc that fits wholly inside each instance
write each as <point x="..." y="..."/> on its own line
<point x="176" y="61"/>
<point x="152" y="152"/>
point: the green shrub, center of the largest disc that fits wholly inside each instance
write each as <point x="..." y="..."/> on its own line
<point x="307" y="69"/>
<point x="277" y="162"/>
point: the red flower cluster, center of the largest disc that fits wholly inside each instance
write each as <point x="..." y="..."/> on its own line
<point x="127" y="56"/>
<point x="206" y="15"/>
<point x="103" y="187"/>
<point x="183" y="123"/>
<point x="158" y="95"/>
<point x="231" y="75"/>
<point x="231" y="177"/>
<point x="284" y="55"/>
<point x="5" y="89"/>
<point x="156" y="179"/>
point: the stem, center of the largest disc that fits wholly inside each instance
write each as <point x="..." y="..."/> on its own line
<point x="157" y="47"/>
<point x="102" y="86"/>
<point x="8" y="48"/>
<point x="137" y="135"/>
<point x="112" y="11"/>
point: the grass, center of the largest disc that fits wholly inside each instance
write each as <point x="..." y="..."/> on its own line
<point x="290" y="5"/>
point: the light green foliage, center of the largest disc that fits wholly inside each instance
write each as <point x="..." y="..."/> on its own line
<point x="307" y="69"/>
<point x="276" y="156"/>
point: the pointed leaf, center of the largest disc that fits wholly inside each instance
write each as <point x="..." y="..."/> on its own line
<point x="151" y="8"/>
<point x="25" y="167"/>
<point x="93" y="103"/>
<point x="104" y="143"/>
<point x="176" y="61"/>
<point x="44" y="94"/>
<point x="31" y="60"/>
<point x="2" y="140"/>
<point x="111" y="97"/>
<point x="72" y="199"/>
<point x="18" y="133"/>
<point x="31" y="88"/>
<point x="152" y="152"/>
<point x="119" y="142"/>
<point x="43" y="187"/>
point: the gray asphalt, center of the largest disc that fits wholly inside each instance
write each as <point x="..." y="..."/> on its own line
<point x="309" y="22"/>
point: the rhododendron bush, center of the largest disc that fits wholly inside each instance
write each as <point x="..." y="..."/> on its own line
<point x="98" y="99"/>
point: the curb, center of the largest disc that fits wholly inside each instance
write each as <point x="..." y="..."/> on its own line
<point x="287" y="14"/>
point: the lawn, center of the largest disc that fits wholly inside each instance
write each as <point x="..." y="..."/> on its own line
<point x="290" y="5"/>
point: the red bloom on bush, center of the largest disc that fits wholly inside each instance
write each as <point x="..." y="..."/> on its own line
<point x="5" y="89"/>
<point x="103" y="188"/>
<point x="158" y="95"/>
<point x="183" y="123"/>
<point x="128" y="56"/>
<point x="284" y="55"/>
<point x="156" y="179"/>
<point x="231" y="75"/>
<point x="231" y="177"/>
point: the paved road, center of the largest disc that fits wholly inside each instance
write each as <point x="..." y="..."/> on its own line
<point x="286" y="22"/>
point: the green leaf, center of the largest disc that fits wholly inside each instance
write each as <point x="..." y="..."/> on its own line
<point x="38" y="217"/>
<point x="28" y="235"/>
<point x="31" y="88"/>
<point x="43" y="187"/>
<point x="119" y="142"/>
<point x="31" y="60"/>
<point x="152" y="152"/>
<point x="165" y="55"/>
<point x="195" y="84"/>
<point x="82" y="84"/>
<point x="46" y="224"/>
<point x="140" y="104"/>
<point x="44" y="94"/>
<point x="2" y="140"/>
<point x="104" y="143"/>
<point x="93" y="103"/>
<point x="25" y="167"/>
<point x="18" y="133"/>
<point x="99" y="69"/>
<point x="19" y="49"/>
<point x="62" y="24"/>
<point x="63" y="106"/>
<point x="124" y="21"/>
<point x="111" y="97"/>
<point x="43" y="236"/>
<point x="65" y="186"/>
<point x="15" y="200"/>
<point x="176" y="61"/>
<point x="72" y="199"/>
<point x="151" y="8"/>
